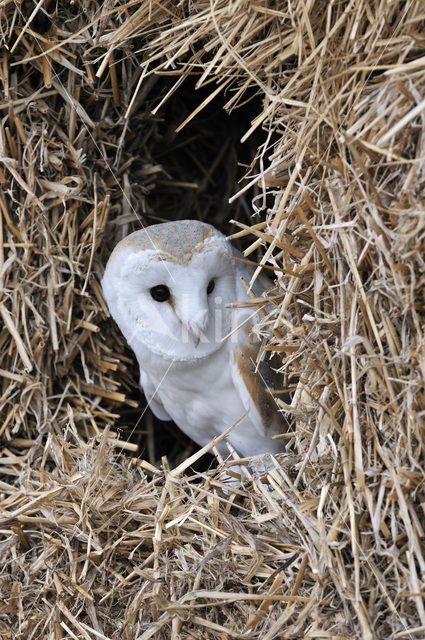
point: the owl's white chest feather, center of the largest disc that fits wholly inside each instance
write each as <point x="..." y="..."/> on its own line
<point x="201" y="398"/>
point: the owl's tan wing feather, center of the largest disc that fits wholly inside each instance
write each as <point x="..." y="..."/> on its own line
<point x="255" y="382"/>
<point x="255" y="385"/>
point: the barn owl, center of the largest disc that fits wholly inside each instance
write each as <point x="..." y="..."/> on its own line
<point x="169" y="287"/>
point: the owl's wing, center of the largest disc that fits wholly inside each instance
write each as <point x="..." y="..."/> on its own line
<point x="154" y="402"/>
<point x="254" y="385"/>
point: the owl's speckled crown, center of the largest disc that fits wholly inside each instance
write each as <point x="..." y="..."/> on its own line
<point x="176" y="241"/>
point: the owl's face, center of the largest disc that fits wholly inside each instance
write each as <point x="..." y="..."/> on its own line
<point x="167" y="287"/>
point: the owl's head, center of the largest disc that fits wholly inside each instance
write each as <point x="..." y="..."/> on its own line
<point x="167" y="287"/>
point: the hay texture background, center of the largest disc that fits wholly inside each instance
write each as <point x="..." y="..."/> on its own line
<point x="99" y="544"/>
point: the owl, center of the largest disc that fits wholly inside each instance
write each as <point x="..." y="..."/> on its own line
<point x="170" y="288"/>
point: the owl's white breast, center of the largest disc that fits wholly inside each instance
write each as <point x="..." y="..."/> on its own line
<point x="201" y="398"/>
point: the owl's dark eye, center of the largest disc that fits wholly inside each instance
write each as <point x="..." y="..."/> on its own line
<point x="210" y="287"/>
<point x="160" y="293"/>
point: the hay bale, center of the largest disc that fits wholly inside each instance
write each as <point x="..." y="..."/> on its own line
<point x="331" y="545"/>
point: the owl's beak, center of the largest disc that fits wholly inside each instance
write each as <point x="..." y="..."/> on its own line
<point x="193" y="315"/>
<point x="196" y="335"/>
<point x="194" y="329"/>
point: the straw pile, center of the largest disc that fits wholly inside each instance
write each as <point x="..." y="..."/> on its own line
<point x="96" y="544"/>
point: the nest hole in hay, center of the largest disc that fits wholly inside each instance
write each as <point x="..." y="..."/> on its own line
<point x="202" y="166"/>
